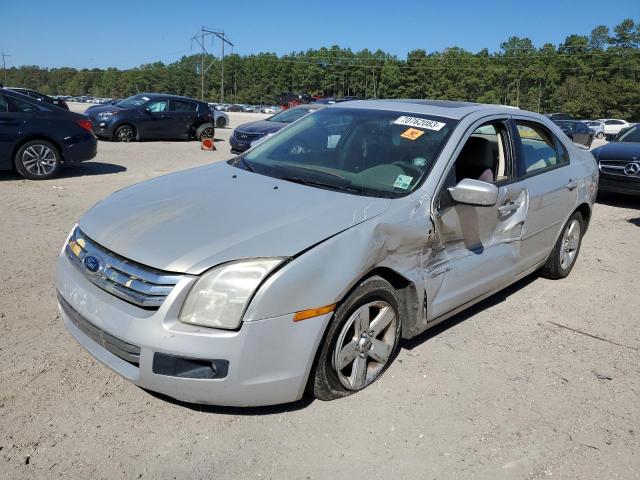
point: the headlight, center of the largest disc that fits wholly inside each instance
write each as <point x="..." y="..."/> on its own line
<point x="218" y="299"/>
<point x="108" y="114"/>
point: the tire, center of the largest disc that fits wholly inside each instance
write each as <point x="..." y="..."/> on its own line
<point x="38" y="160"/>
<point x="335" y="374"/>
<point x="565" y="252"/>
<point x="589" y="142"/>
<point x="205" y="130"/>
<point x="600" y="135"/>
<point x="221" y="122"/>
<point x="125" y="133"/>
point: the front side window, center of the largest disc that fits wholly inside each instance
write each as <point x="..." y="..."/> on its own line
<point x="158" y="107"/>
<point x="359" y="151"/>
<point x="539" y="148"/>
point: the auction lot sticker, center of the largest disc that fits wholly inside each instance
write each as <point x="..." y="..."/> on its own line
<point x="412" y="133"/>
<point x="419" y="123"/>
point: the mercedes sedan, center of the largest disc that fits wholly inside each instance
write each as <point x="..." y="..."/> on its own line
<point x="299" y="265"/>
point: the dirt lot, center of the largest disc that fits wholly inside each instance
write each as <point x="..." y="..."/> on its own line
<point x="501" y="391"/>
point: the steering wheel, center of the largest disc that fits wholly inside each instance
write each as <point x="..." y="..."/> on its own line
<point x="408" y="168"/>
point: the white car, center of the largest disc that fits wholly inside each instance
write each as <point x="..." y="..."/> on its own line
<point x="612" y="126"/>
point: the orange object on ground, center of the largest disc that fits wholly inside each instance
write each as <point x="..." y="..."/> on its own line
<point x="207" y="144"/>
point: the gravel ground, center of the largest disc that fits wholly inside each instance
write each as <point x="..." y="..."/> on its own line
<point x="500" y="391"/>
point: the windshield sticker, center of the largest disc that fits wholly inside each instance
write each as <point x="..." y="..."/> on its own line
<point x="419" y="123"/>
<point x="146" y="99"/>
<point x="403" y="182"/>
<point x="412" y="133"/>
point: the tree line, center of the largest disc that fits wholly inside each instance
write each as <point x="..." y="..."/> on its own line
<point x="588" y="76"/>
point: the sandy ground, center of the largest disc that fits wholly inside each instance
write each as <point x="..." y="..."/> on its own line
<point x="500" y="391"/>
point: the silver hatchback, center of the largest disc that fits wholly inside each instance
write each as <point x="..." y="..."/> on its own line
<point x="299" y="265"/>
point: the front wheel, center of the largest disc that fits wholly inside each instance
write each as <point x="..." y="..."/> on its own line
<point x="38" y="160"/>
<point x="361" y="341"/>
<point x="600" y="135"/>
<point x="125" y="133"/>
<point x="565" y="252"/>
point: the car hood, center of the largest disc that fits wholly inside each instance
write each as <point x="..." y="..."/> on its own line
<point x="618" y="151"/>
<point x="192" y="220"/>
<point x="261" y="126"/>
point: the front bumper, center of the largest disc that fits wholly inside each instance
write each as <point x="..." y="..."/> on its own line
<point x="268" y="360"/>
<point x="237" y="145"/>
<point x="619" y="184"/>
<point x="103" y="127"/>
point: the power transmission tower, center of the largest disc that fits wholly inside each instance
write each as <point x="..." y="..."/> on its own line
<point x="4" y="67"/>
<point x="200" y="38"/>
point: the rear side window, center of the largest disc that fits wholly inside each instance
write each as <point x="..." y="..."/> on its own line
<point x="183" y="106"/>
<point x="4" y="105"/>
<point x="540" y="149"/>
<point x="21" y="106"/>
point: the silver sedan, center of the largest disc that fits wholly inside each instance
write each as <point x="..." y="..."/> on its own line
<point x="299" y="265"/>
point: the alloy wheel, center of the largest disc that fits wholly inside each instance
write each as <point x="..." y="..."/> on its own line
<point x="570" y="244"/>
<point x="125" y="134"/>
<point x="39" y="160"/>
<point x="365" y="344"/>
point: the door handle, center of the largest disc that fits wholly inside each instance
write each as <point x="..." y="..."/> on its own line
<point x="572" y="184"/>
<point x="509" y="207"/>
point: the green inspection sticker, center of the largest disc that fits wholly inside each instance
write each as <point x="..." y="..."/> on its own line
<point x="403" y="182"/>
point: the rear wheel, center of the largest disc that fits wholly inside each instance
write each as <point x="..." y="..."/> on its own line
<point x="38" y="160"/>
<point x="124" y="133"/>
<point x="600" y="135"/>
<point x="360" y="343"/>
<point x="565" y="252"/>
<point x="205" y="131"/>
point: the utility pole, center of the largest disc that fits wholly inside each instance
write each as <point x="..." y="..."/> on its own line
<point x="200" y="40"/>
<point x="4" y="67"/>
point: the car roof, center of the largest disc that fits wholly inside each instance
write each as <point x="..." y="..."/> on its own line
<point x="440" y="108"/>
<point x="167" y="95"/>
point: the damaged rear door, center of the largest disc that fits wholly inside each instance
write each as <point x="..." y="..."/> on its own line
<point x="476" y="249"/>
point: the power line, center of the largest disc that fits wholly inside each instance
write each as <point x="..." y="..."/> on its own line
<point x="200" y="39"/>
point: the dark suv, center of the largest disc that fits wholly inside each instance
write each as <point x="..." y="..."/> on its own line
<point x="152" y="116"/>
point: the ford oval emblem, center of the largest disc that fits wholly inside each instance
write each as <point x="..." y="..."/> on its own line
<point x="92" y="264"/>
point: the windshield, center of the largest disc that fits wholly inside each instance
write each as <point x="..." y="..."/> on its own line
<point x="361" y="151"/>
<point x="288" y="116"/>
<point x="631" y="135"/>
<point x="133" y="102"/>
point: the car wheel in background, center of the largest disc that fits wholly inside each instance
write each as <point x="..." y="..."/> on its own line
<point x="124" y="133"/>
<point x="565" y="252"/>
<point x="360" y="343"/>
<point x="38" y="160"/>
<point x="600" y="135"/>
<point x="205" y="131"/>
<point x="221" y="122"/>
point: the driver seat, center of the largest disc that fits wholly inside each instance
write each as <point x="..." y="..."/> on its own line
<point x="477" y="160"/>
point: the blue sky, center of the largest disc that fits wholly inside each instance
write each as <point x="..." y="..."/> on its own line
<point x="126" y="33"/>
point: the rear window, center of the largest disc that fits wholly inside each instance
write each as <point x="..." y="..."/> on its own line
<point x="540" y="149"/>
<point x="4" y="105"/>
<point x="21" y="106"/>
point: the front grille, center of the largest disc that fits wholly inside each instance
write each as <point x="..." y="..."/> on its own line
<point x="616" y="167"/>
<point x="246" y="137"/>
<point x="126" y="351"/>
<point x="138" y="284"/>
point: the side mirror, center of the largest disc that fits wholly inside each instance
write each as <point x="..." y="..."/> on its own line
<point x="474" y="192"/>
<point x="146" y="110"/>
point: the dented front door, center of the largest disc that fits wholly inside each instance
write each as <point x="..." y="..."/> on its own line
<point x="474" y="249"/>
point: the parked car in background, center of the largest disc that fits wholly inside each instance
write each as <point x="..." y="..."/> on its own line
<point x="596" y="126"/>
<point x="577" y="131"/>
<point x="234" y="108"/>
<point x="619" y="163"/>
<point x="355" y="227"/>
<point x="221" y="119"/>
<point x="558" y="116"/>
<point x="37" y="138"/>
<point x="273" y="109"/>
<point x="152" y="116"/>
<point x="247" y="133"/>
<point x="40" y="97"/>
<point x="612" y="126"/>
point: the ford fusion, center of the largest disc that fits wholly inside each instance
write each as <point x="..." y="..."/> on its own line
<point x="299" y="265"/>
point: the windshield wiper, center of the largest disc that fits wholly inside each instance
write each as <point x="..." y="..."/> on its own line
<point x="319" y="183"/>
<point x="245" y="164"/>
